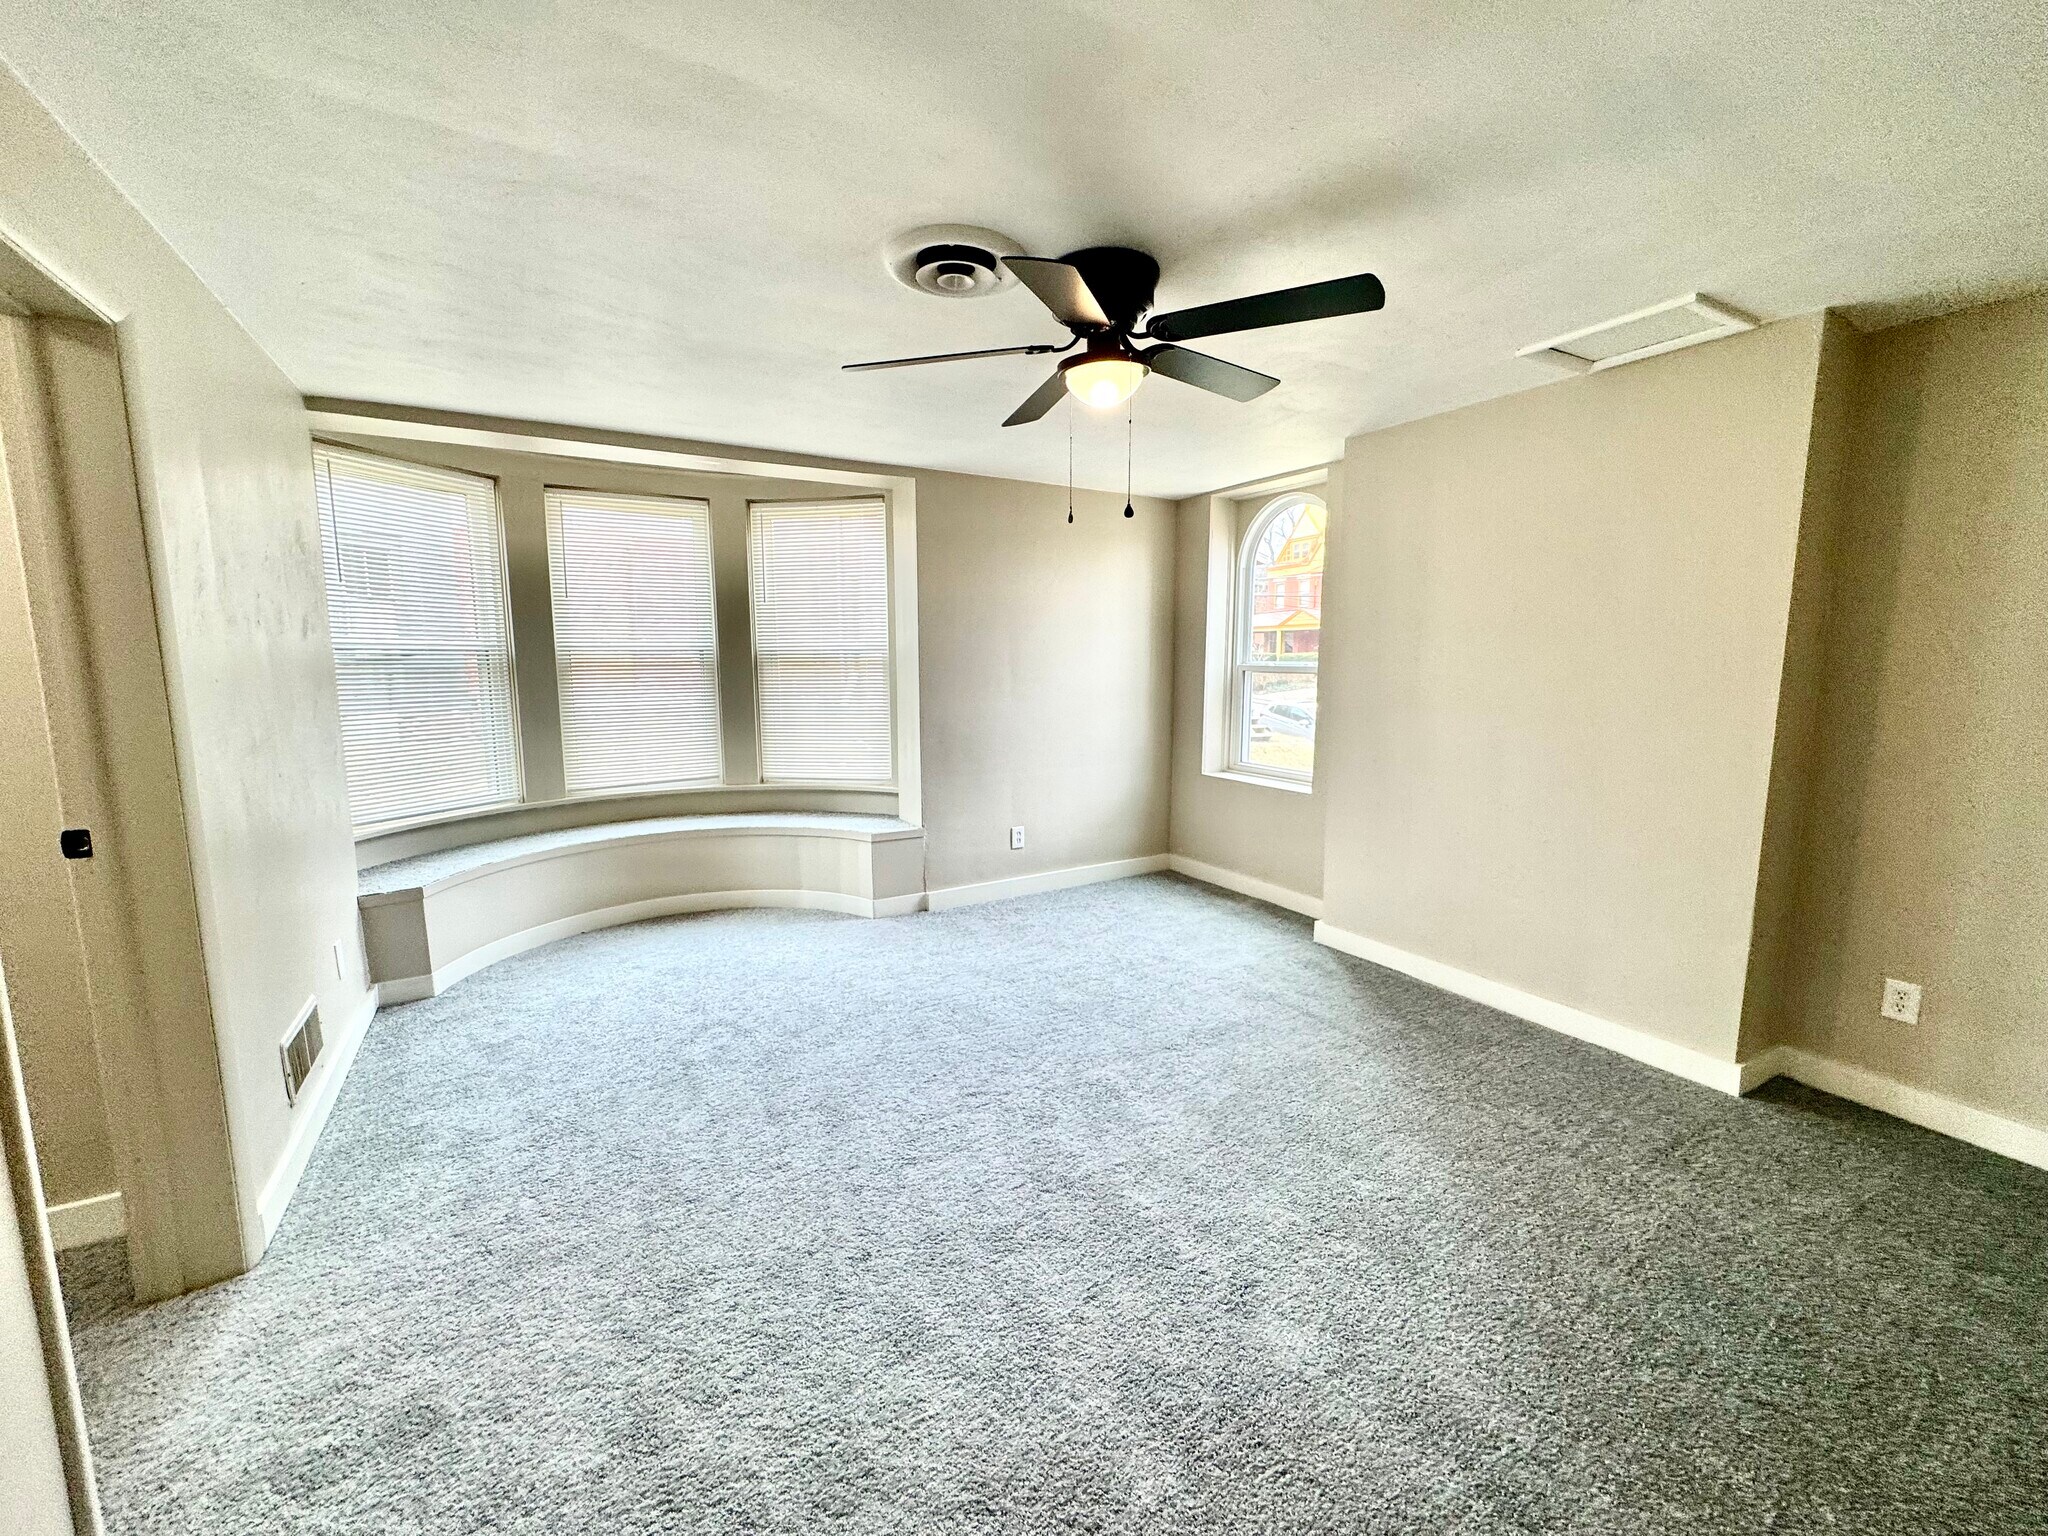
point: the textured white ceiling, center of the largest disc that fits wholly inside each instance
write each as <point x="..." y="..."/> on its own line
<point x="667" y="217"/>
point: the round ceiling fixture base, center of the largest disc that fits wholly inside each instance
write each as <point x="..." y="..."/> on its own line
<point x="951" y="261"/>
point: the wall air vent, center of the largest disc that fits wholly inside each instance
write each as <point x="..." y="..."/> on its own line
<point x="1680" y="322"/>
<point x="299" y="1049"/>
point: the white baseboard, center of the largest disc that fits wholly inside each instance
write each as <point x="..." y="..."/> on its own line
<point x="309" y="1115"/>
<point x="410" y="989"/>
<point x="1246" y="885"/>
<point x="1047" y="880"/>
<point x="1623" y="1039"/>
<point x="404" y="989"/>
<point x="1758" y="1070"/>
<point x="1980" y="1127"/>
<point x="95" y="1219"/>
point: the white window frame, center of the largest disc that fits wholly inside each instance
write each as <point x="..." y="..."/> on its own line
<point x="696" y="507"/>
<point x="1237" y="720"/>
<point x="890" y="650"/>
<point x="325" y="454"/>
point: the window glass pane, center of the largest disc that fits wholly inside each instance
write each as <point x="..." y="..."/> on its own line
<point x="422" y="657"/>
<point x="636" y="661"/>
<point x="821" y="641"/>
<point x="1279" y="636"/>
<point x="1287" y="584"/>
<point x="1280" y="721"/>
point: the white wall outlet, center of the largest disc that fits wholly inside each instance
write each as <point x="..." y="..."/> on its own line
<point x="338" y="973"/>
<point x="1901" y="1001"/>
<point x="1016" y="838"/>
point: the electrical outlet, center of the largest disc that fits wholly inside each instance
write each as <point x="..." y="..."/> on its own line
<point x="1016" y="839"/>
<point x="1901" y="1002"/>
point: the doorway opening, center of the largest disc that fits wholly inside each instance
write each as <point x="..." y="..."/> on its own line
<point x="108" y="1028"/>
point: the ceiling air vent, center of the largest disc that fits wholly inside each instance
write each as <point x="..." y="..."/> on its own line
<point x="1680" y="322"/>
<point x="951" y="261"/>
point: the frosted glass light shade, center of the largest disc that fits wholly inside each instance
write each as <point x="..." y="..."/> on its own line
<point x="1105" y="382"/>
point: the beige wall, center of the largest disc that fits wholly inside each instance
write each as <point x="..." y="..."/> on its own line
<point x="222" y="466"/>
<point x="1927" y="850"/>
<point x="1557" y="627"/>
<point x="1045" y="665"/>
<point x="1770" y="992"/>
<point x="1270" y="833"/>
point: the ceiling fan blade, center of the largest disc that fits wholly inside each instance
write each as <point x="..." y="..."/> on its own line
<point x="1061" y="288"/>
<point x="1284" y="306"/>
<point x="1043" y="399"/>
<point x="952" y="357"/>
<point x="1206" y="372"/>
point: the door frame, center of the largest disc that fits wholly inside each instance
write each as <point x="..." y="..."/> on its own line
<point x="65" y="1438"/>
<point x="90" y="574"/>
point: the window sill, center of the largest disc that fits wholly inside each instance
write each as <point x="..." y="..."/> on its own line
<point x="1261" y="781"/>
<point x="778" y="790"/>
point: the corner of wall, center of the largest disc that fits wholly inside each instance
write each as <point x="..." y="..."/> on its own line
<point x="1768" y="1000"/>
<point x="1248" y="837"/>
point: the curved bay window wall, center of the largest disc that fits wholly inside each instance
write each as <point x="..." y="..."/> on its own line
<point x="515" y="645"/>
<point x="1277" y="639"/>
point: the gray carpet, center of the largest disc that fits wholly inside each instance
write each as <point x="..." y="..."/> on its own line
<point x="1121" y="1209"/>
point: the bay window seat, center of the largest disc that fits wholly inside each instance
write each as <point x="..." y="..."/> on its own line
<point x="434" y="918"/>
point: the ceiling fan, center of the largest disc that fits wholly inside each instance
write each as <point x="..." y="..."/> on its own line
<point x="1100" y="294"/>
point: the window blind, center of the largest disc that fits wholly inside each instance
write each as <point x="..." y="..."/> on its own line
<point x="636" y="651"/>
<point x="821" y="640"/>
<point x="416" y="605"/>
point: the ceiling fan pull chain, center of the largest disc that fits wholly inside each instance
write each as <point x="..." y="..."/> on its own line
<point x="1130" y="432"/>
<point x="1070" y="461"/>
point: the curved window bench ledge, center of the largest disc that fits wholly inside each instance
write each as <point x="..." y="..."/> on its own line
<point x="434" y="918"/>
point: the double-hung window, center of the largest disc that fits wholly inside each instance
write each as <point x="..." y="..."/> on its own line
<point x="636" y="650"/>
<point x="1276" y="635"/>
<point x="414" y="563"/>
<point x="820" y="579"/>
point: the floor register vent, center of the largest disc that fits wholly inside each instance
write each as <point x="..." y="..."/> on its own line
<point x="299" y="1049"/>
<point x="1681" y="322"/>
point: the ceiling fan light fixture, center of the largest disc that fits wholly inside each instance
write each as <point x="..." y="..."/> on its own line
<point x="1104" y="382"/>
<point x="1103" y="296"/>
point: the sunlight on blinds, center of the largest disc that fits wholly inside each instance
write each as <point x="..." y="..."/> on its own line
<point x="821" y="640"/>
<point x="416" y="605"/>
<point x="636" y="656"/>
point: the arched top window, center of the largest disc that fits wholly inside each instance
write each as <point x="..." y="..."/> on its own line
<point x="1277" y="636"/>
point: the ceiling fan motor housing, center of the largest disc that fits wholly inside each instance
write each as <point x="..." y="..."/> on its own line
<point x="1122" y="280"/>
